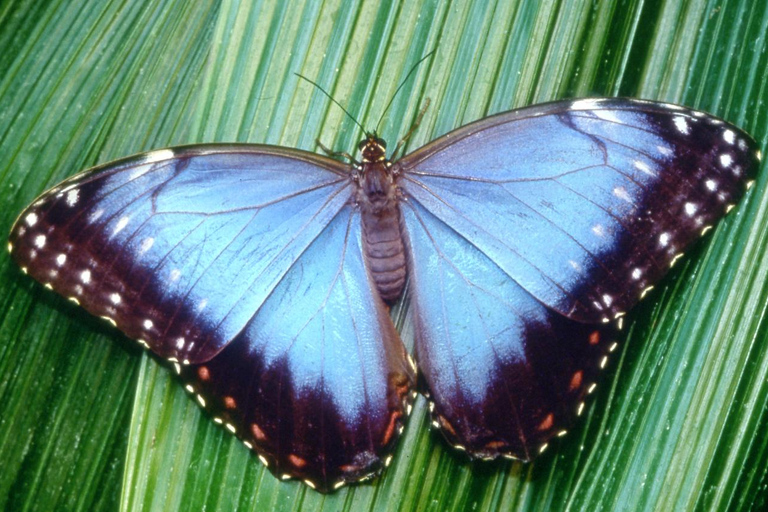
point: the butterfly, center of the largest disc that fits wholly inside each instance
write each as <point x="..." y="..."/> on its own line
<point x="264" y="274"/>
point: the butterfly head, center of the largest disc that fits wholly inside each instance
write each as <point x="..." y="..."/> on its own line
<point x="372" y="148"/>
<point x="377" y="190"/>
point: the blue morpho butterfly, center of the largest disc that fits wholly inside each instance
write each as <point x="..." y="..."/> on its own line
<point x="264" y="273"/>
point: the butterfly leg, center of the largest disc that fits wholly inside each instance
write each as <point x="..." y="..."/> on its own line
<point x="335" y="154"/>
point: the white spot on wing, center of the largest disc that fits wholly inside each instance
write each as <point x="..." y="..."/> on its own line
<point x="180" y="343"/>
<point x="729" y="136"/>
<point x="148" y="324"/>
<point x="585" y="104"/>
<point x="72" y="197"/>
<point x="726" y="160"/>
<point x="711" y="185"/>
<point x="146" y="244"/>
<point x="121" y="225"/>
<point x="643" y="167"/>
<point x="690" y="209"/>
<point x="622" y="194"/>
<point x="93" y="217"/>
<point x="664" y="239"/>
<point x="61" y="259"/>
<point x="150" y="159"/>
<point x="159" y="155"/>
<point x="40" y="241"/>
<point x="31" y="219"/>
<point x="175" y="274"/>
<point x="115" y="298"/>
<point x="85" y="276"/>
<point x="599" y="230"/>
<point x="681" y="124"/>
<point x="637" y="273"/>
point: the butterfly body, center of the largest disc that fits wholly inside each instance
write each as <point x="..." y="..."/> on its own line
<point x="378" y="199"/>
<point x="262" y="274"/>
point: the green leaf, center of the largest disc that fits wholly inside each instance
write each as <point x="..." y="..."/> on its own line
<point x="90" y="422"/>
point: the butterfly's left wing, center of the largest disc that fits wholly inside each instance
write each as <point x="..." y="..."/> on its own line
<point x="528" y="231"/>
<point x="242" y="265"/>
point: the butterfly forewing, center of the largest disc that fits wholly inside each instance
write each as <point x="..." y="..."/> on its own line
<point x="585" y="204"/>
<point x="530" y="230"/>
<point x="179" y="248"/>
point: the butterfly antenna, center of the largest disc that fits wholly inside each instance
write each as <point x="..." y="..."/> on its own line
<point x="392" y="99"/>
<point x="333" y="100"/>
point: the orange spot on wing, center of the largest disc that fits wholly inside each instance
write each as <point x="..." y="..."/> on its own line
<point x="446" y="425"/>
<point x="547" y="423"/>
<point x="204" y="374"/>
<point x="594" y="338"/>
<point x="258" y="434"/>
<point x="576" y="381"/>
<point x="349" y="468"/>
<point x="229" y="402"/>
<point x="495" y="445"/>
<point x="297" y="461"/>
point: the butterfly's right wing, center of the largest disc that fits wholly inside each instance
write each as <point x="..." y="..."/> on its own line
<point x="530" y="231"/>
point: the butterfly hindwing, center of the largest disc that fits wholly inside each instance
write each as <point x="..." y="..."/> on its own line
<point x="319" y="380"/>
<point x="504" y="372"/>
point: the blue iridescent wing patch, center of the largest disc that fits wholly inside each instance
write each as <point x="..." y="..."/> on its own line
<point x="259" y="271"/>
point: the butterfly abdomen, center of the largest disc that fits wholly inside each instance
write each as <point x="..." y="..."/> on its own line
<point x="385" y="253"/>
<point x="382" y="233"/>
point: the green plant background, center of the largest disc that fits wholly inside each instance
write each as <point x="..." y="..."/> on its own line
<point x="90" y="422"/>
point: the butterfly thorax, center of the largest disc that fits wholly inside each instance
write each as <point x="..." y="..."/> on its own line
<point x="377" y="197"/>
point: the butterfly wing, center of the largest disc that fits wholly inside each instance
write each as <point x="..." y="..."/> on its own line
<point x="586" y="203"/>
<point x="570" y="212"/>
<point x="318" y="381"/>
<point x="240" y="264"/>
<point x="504" y="372"/>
